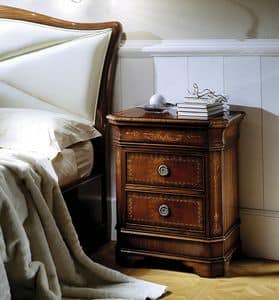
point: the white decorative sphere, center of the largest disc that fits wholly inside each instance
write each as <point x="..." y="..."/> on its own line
<point x="157" y="99"/>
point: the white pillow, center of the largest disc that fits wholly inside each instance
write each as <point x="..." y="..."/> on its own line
<point x="44" y="132"/>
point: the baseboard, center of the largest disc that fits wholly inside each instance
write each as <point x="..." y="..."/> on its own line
<point x="259" y="231"/>
<point x="260" y="212"/>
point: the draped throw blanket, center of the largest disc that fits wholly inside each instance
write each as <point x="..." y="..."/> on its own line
<point x="40" y="255"/>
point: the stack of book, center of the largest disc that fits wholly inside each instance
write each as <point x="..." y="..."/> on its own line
<point x="199" y="108"/>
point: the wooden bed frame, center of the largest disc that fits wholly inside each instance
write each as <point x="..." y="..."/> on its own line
<point x="86" y="199"/>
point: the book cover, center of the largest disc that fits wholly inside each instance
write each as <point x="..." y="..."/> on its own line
<point x="202" y="100"/>
<point x="200" y="114"/>
<point x="192" y="118"/>
<point x="198" y="104"/>
<point x="199" y="109"/>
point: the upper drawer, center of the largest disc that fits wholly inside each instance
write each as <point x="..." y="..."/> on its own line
<point x="165" y="170"/>
<point x="187" y="137"/>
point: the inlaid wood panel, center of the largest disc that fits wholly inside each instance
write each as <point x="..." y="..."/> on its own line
<point x="196" y="137"/>
<point x="231" y="205"/>
<point x="184" y="171"/>
<point x="184" y="212"/>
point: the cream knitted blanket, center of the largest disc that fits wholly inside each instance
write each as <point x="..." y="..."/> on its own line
<point x="40" y="255"/>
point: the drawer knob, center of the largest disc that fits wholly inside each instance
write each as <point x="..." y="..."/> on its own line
<point x="163" y="170"/>
<point x="164" y="210"/>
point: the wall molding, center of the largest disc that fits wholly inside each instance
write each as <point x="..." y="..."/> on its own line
<point x="206" y="47"/>
<point x="259" y="212"/>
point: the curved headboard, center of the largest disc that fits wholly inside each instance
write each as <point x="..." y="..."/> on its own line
<point x="109" y="32"/>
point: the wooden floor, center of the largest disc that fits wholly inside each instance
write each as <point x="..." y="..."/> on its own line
<point x="246" y="279"/>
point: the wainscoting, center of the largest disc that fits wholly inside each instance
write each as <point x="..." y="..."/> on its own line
<point x="247" y="71"/>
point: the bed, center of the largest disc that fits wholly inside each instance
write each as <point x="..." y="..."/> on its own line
<point x="65" y="67"/>
<point x="56" y="83"/>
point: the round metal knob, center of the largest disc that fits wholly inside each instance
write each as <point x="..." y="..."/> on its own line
<point x="164" y="210"/>
<point x="163" y="170"/>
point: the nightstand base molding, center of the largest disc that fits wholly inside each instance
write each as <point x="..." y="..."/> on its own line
<point x="202" y="267"/>
<point x="207" y="258"/>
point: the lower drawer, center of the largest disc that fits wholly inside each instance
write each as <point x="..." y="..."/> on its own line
<point x="165" y="210"/>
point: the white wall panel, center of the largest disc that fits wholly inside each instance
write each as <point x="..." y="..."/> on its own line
<point x="270" y="82"/>
<point x="242" y="82"/>
<point x="171" y="78"/>
<point x="117" y="93"/>
<point x="207" y="72"/>
<point x="113" y="220"/>
<point x="137" y="81"/>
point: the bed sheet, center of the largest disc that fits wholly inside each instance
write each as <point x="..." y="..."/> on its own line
<point x="40" y="255"/>
<point x="74" y="163"/>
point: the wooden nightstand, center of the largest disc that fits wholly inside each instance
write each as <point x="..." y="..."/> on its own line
<point x="177" y="188"/>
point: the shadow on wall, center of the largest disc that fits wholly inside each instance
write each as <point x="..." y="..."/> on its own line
<point x="143" y="35"/>
<point x="253" y="30"/>
<point x="258" y="159"/>
<point x="250" y="158"/>
<point x="170" y="19"/>
<point x="270" y="160"/>
<point x="178" y="19"/>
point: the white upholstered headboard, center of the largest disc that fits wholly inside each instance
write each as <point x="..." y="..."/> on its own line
<point x="52" y="64"/>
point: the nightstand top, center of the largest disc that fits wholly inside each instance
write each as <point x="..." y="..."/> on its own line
<point x="138" y="115"/>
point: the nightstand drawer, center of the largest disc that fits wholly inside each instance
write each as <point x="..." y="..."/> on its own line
<point x="165" y="210"/>
<point x="189" y="137"/>
<point x="165" y="170"/>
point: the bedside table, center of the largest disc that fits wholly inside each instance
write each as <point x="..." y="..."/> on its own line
<point x="177" y="188"/>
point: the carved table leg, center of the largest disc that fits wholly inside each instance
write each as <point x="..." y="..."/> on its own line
<point x="206" y="269"/>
